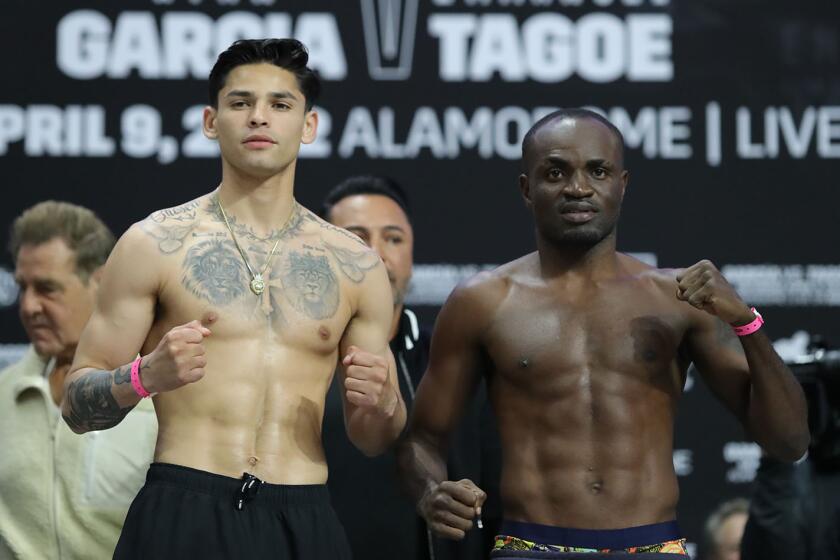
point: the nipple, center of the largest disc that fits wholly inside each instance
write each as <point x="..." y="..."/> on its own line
<point x="209" y="318"/>
<point x="324" y="332"/>
<point x="523" y="363"/>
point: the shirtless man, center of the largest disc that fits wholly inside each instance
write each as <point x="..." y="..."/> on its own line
<point x="239" y="304"/>
<point x="587" y="351"/>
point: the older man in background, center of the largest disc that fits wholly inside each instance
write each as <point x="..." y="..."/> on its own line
<point x="380" y="519"/>
<point x="61" y="495"/>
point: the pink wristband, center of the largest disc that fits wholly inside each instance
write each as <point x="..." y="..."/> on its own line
<point x="135" y="379"/>
<point x="751" y="327"/>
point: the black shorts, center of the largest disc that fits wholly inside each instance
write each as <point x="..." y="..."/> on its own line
<point x="183" y="513"/>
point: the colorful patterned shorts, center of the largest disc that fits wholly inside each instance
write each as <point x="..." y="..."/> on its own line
<point x="533" y="537"/>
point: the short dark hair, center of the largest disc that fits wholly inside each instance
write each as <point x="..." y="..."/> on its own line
<point x="366" y="184"/>
<point x="83" y="232"/>
<point x="289" y="54"/>
<point x="571" y="113"/>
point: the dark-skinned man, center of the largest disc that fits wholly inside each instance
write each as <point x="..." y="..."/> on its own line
<point x="587" y="350"/>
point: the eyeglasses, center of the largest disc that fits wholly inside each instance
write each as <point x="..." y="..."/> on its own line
<point x="247" y="491"/>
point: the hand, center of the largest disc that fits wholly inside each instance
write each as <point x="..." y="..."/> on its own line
<point x="178" y="359"/>
<point x="449" y="507"/>
<point x="367" y="382"/>
<point x="703" y="286"/>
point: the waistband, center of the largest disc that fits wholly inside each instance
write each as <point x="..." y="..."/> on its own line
<point x="593" y="538"/>
<point x="226" y="487"/>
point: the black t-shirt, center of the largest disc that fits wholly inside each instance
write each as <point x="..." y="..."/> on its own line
<point x="380" y="520"/>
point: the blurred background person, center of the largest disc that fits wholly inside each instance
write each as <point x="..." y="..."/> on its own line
<point x="61" y="495"/>
<point x="381" y="520"/>
<point x="795" y="508"/>
<point x="724" y="530"/>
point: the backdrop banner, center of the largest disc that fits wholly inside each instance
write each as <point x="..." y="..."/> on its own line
<point x="730" y="111"/>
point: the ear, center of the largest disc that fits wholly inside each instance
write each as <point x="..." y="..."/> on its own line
<point x="525" y="189"/>
<point x="96" y="277"/>
<point x="625" y="178"/>
<point x="209" y="123"/>
<point x="310" y="127"/>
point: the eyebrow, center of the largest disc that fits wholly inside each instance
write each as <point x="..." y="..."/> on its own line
<point x="598" y="162"/>
<point x="274" y="94"/>
<point x="366" y="228"/>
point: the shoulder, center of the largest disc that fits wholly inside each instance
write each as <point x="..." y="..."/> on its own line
<point x="351" y="255"/>
<point x="482" y="294"/>
<point x="28" y="364"/>
<point x="168" y="229"/>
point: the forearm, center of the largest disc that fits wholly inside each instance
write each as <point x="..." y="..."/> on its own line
<point x="97" y="399"/>
<point x="421" y="463"/>
<point x="373" y="432"/>
<point x="778" y="414"/>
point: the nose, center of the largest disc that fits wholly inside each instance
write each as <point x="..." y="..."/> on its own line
<point x="30" y="303"/>
<point x="578" y="186"/>
<point x="380" y="245"/>
<point x="257" y="117"/>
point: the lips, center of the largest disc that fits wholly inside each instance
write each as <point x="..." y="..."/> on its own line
<point x="258" y="141"/>
<point x="578" y="212"/>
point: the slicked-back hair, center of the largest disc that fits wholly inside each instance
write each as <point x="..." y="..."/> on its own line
<point x="289" y="54"/>
<point x="81" y="230"/>
<point x="366" y="184"/>
<point x="571" y="113"/>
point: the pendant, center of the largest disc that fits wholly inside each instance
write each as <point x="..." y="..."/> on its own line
<point x="257" y="284"/>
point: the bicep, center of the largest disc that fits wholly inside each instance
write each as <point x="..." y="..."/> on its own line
<point x="124" y="308"/>
<point x="719" y="358"/>
<point x="452" y="373"/>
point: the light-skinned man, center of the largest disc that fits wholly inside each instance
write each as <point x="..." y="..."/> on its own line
<point x="244" y="304"/>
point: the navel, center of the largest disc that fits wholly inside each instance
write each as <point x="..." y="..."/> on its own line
<point x="253" y="461"/>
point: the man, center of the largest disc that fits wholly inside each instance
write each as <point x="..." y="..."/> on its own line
<point x="61" y="495"/>
<point x="724" y="530"/>
<point x="794" y="511"/>
<point x="240" y="303"/>
<point x="587" y="351"/>
<point x="366" y="494"/>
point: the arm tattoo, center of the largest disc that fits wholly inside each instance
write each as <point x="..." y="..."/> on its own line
<point x="310" y="285"/>
<point x="354" y="264"/>
<point x="92" y="405"/>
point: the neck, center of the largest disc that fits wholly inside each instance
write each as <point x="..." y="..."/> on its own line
<point x="57" y="375"/>
<point x="395" y="321"/>
<point x="586" y="261"/>
<point x="263" y="203"/>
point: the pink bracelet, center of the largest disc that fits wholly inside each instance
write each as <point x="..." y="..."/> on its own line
<point x="135" y="379"/>
<point x="750" y="327"/>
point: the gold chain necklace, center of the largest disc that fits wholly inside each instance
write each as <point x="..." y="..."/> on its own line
<point x="257" y="281"/>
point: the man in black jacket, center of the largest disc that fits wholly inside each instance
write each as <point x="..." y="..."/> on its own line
<point x="379" y="518"/>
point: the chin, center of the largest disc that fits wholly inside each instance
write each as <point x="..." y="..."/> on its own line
<point x="46" y="349"/>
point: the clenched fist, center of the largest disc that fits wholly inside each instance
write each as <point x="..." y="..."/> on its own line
<point x="450" y="507"/>
<point x="703" y="286"/>
<point x="367" y="383"/>
<point x="178" y="359"/>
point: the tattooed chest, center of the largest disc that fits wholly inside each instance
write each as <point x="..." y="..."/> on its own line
<point x="296" y="283"/>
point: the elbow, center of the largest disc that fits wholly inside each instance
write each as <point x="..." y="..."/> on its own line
<point x="792" y="448"/>
<point x="72" y="423"/>
<point x="74" y="426"/>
